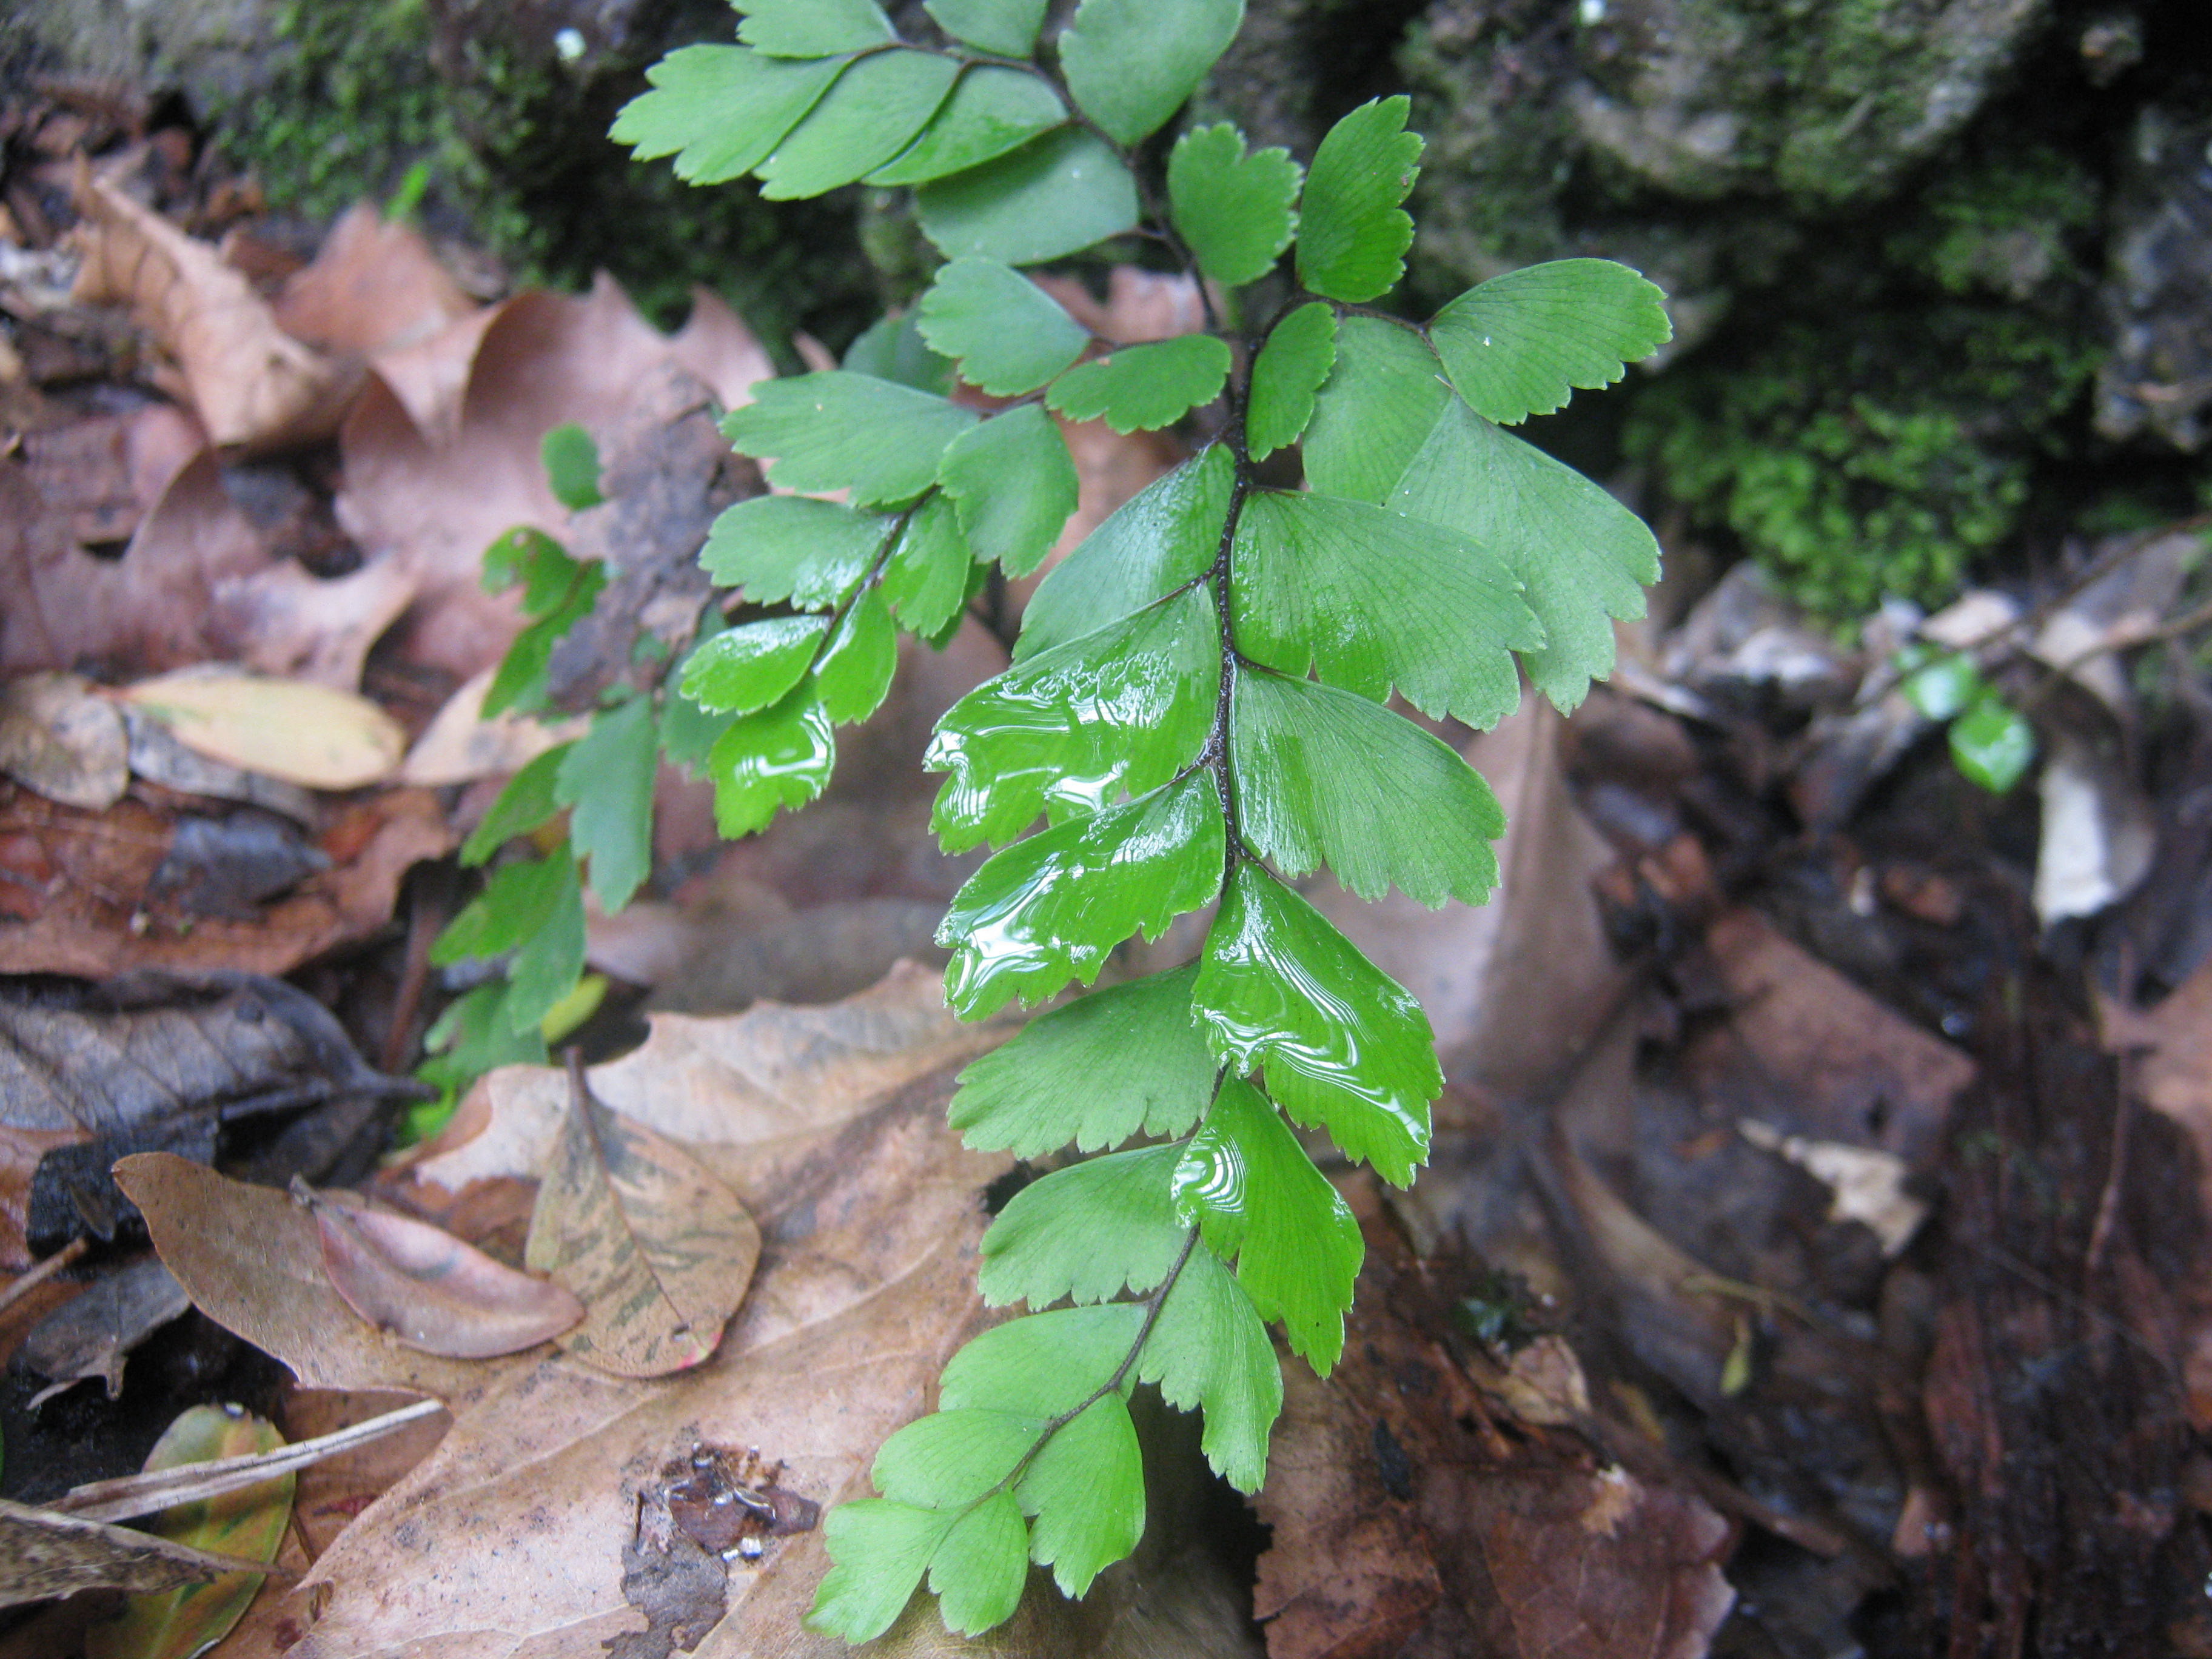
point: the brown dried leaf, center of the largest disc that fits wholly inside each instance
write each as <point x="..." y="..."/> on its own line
<point x="59" y="738"/>
<point x="658" y="1252"/>
<point x="93" y="1335"/>
<point x="43" y="1555"/>
<point x="374" y="287"/>
<point x="772" y="1076"/>
<point x="2174" y="1039"/>
<point x="1405" y="1524"/>
<point x="441" y="462"/>
<point x="1807" y="1051"/>
<point x="93" y="914"/>
<point x="253" y="385"/>
<point x="252" y="1260"/>
<point x="428" y="1288"/>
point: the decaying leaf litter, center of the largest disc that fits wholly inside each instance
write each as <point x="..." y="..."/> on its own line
<point x="1809" y="1256"/>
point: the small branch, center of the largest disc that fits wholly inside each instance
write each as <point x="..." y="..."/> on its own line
<point x="20" y="1288"/>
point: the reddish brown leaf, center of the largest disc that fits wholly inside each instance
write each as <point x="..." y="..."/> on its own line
<point x="430" y="1291"/>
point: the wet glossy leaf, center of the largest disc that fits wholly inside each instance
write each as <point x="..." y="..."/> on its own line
<point x="249" y="1522"/>
<point x="949" y="1459"/>
<point x="430" y="1291"/>
<point x="1993" y="745"/>
<point x="855" y="675"/>
<point x="1048" y="909"/>
<point x="1582" y="557"/>
<point x="1372" y="599"/>
<point x="1379" y="404"/>
<point x="1122" y="1060"/>
<point x="1087" y="1233"/>
<point x="1345" y="1046"/>
<point x="1323" y="776"/>
<point x="606" y="782"/>
<point x="813" y="28"/>
<point x="1131" y="63"/>
<point x="1166" y="535"/>
<point x="1285" y="375"/>
<point x="881" y="1549"/>
<point x="1043" y="1365"/>
<point x="978" y="1571"/>
<point x="1141" y="388"/>
<point x="925" y="578"/>
<point x="1235" y="211"/>
<point x="1005" y="28"/>
<point x="780" y="758"/>
<point x="1087" y="1489"/>
<point x="991" y="111"/>
<point x="872" y="114"/>
<point x="719" y="110"/>
<point x="743" y="669"/>
<point x="775" y="548"/>
<point x="1009" y="335"/>
<point x="1254" y="1193"/>
<point x="1014" y="485"/>
<point x="527" y="802"/>
<point x="572" y="466"/>
<point x="1352" y="235"/>
<point x="1210" y="1349"/>
<point x="1521" y="343"/>
<point x="1054" y="196"/>
<point x="1124" y="708"/>
<point x="657" y="1251"/>
<point x="878" y="441"/>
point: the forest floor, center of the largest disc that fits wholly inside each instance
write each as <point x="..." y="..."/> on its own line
<point x="1812" y="1260"/>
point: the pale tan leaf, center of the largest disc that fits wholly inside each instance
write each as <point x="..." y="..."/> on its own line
<point x="429" y="1290"/>
<point x="460" y="745"/>
<point x="659" y="1251"/>
<point x="314" y="735"/>
<point x="57" y="738"/>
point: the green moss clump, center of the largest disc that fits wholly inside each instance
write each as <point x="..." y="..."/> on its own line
<point x="1882" y="464"/>
<point x="346" y="106"/>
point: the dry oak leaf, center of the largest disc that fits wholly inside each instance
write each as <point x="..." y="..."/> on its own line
<point x="444" y="458"/>
<point x="832" y="1133"/>
<point x="374" y="287"/>
<point x="57" y="737"/>
<point x="252" y="385"/>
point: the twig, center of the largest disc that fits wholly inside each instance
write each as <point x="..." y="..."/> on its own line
<point x="143" y="1494"/>
<point x="40" y="1274"/>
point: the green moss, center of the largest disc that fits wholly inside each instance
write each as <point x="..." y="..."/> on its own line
<point x="345" y="106"/>
<point x="2007" y="226"/>
<point x="1883" y="462"/>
